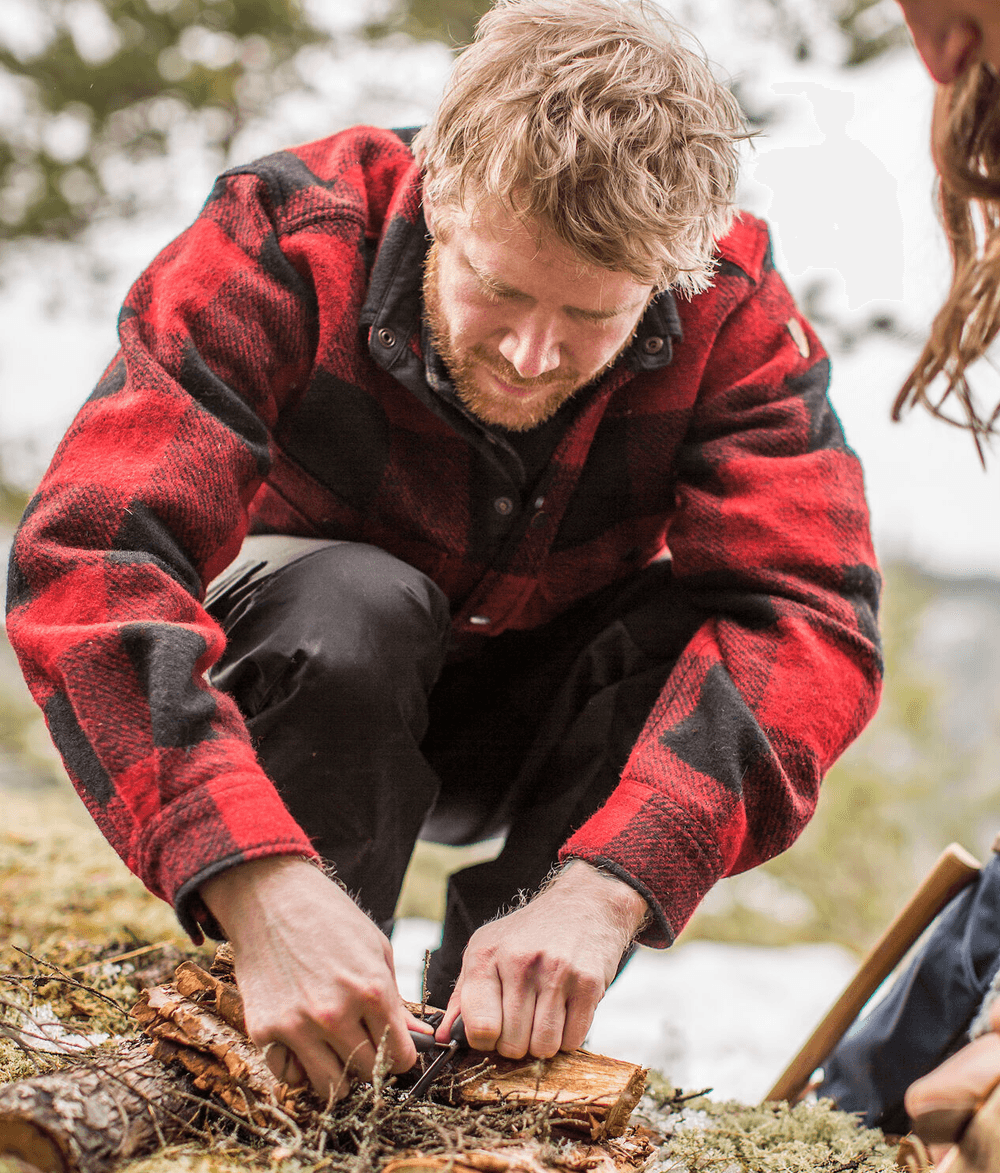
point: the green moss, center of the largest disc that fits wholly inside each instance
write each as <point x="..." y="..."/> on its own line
<point x="773" y="1138"/>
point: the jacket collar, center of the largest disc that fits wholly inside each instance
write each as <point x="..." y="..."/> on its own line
<point x="393" y="310"/>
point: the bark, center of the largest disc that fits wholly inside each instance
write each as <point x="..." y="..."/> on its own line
<point x="219" y="1057"/>
<point x="589" y="1094"/>
<point x="88" y="1117"/>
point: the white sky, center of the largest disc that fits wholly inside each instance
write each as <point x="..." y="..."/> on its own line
<point x="843" y="175"/>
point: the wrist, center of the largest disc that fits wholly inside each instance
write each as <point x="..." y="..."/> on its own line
<point x="236" y="896"/>
<point x="602" y="890"/>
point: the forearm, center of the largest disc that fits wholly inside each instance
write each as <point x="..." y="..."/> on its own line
<point x="593" y="892"/>
<point x="245" y="897"/>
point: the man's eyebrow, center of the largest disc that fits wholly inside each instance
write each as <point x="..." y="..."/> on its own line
<point x="496" y="285"/>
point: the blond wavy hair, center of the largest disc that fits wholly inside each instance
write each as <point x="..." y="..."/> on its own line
<point x="600" y="119"/>
<point x="966" y="146"/>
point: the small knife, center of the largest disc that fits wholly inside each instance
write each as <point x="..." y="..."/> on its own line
<point x="447" y="1052"/>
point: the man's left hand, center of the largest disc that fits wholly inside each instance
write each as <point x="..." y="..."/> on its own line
<point x="532" y="980"/>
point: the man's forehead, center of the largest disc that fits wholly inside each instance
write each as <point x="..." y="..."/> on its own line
<point x="499" y="243"/>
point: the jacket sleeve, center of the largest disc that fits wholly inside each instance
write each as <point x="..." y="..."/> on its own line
<point x="771" y="548"/>
<point x="144" y="502"/>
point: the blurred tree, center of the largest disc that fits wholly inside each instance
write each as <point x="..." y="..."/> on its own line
<point x="869" y="26"/>
<point x="451" y="21"/>
<point x="88" y="85"/>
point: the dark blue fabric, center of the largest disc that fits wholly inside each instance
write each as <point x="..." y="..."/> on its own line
<point x="925" y="1016"/>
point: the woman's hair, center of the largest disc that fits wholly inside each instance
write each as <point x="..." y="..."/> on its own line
<point x="966" y="146"/>
<point x="597" y="119"/>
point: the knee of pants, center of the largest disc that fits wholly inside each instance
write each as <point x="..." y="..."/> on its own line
<point x="348" y="627"/>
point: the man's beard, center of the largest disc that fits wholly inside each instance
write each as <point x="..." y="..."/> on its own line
<point x="489" y="405"/>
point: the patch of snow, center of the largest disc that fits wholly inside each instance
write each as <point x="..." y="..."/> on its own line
<point x="42" y="1031"/>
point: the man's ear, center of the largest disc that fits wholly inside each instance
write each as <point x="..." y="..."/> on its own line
<point x="430" y="215"/>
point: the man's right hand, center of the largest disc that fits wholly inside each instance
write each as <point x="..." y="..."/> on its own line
<point x="315" y="973"/>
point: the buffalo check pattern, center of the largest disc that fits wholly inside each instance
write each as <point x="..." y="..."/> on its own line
<point x="271" y="378"/>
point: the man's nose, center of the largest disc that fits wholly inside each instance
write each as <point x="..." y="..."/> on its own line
<point x="531" y="347"/>
<point x="946" y="52"/>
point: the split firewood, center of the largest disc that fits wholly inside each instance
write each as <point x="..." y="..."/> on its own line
<point x="589" y="1094"/>
<point x="87" y="1117"/>
<point x="218" y="1055"/>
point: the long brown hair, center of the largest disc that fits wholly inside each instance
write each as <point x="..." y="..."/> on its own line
<point x="966" y="146"/>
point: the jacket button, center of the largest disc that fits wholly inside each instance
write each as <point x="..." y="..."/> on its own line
<point x="387" y="337"/>
<point x="479" y="620"/>
<point x="653" y="344"/>
<point x="539" y="502"/>
<point x="503" y="505"/>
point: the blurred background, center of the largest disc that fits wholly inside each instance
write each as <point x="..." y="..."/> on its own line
<point x="115" y="116"/>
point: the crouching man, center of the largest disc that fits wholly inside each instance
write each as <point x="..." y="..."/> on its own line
<point x="553" y="535"/>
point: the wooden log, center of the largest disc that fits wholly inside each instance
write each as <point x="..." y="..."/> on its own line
<point x="589" y="1094"/>
<point x="87" y="1117"/>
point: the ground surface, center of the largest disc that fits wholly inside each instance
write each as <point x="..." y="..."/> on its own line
<point x="705" y="1014"/>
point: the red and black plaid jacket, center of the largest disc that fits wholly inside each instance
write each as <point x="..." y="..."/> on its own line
<point x="271" y="377"/>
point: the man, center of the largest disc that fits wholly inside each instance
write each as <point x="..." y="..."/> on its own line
<point x="553" y="535"/>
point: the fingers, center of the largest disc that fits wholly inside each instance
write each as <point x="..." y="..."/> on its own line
<point x="453" y="1010"/>
<point x="481" y="1004"/>
<point x="284" y="1065"/>
<point x="580" y="1011"/>
<point x="319" y="1065"/>
<point x="954" y="1089"/>
<point x="398" y="1048"/>
<point x="942" y="1103"/>
<point x="978" y="1150"/>
<point x="524" y="1007"/>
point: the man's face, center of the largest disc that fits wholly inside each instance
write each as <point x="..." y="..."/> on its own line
<point x="951" y="35"/>
<point x="519" y="320"/>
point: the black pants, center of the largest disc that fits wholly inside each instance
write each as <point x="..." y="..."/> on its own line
<point x="338" y="657"/>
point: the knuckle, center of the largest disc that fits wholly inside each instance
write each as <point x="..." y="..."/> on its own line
<point x="587" y="985"/>
<point x="511" y="1050"/>
<point x="276" y="1028"/>
<point x="370" y="991"/>
<point x="483" y="1036"/>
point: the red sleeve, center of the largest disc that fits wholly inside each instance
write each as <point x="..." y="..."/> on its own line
<point x="771" y="543"/>
<point x="145" y="500"/>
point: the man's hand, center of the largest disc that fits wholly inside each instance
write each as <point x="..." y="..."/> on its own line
<point x="316" y="974"/>
<point x="531" y="981"/>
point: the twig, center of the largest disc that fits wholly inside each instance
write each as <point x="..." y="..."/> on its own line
<point x="115" y="957"/>
<point x="61" y="975"/>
